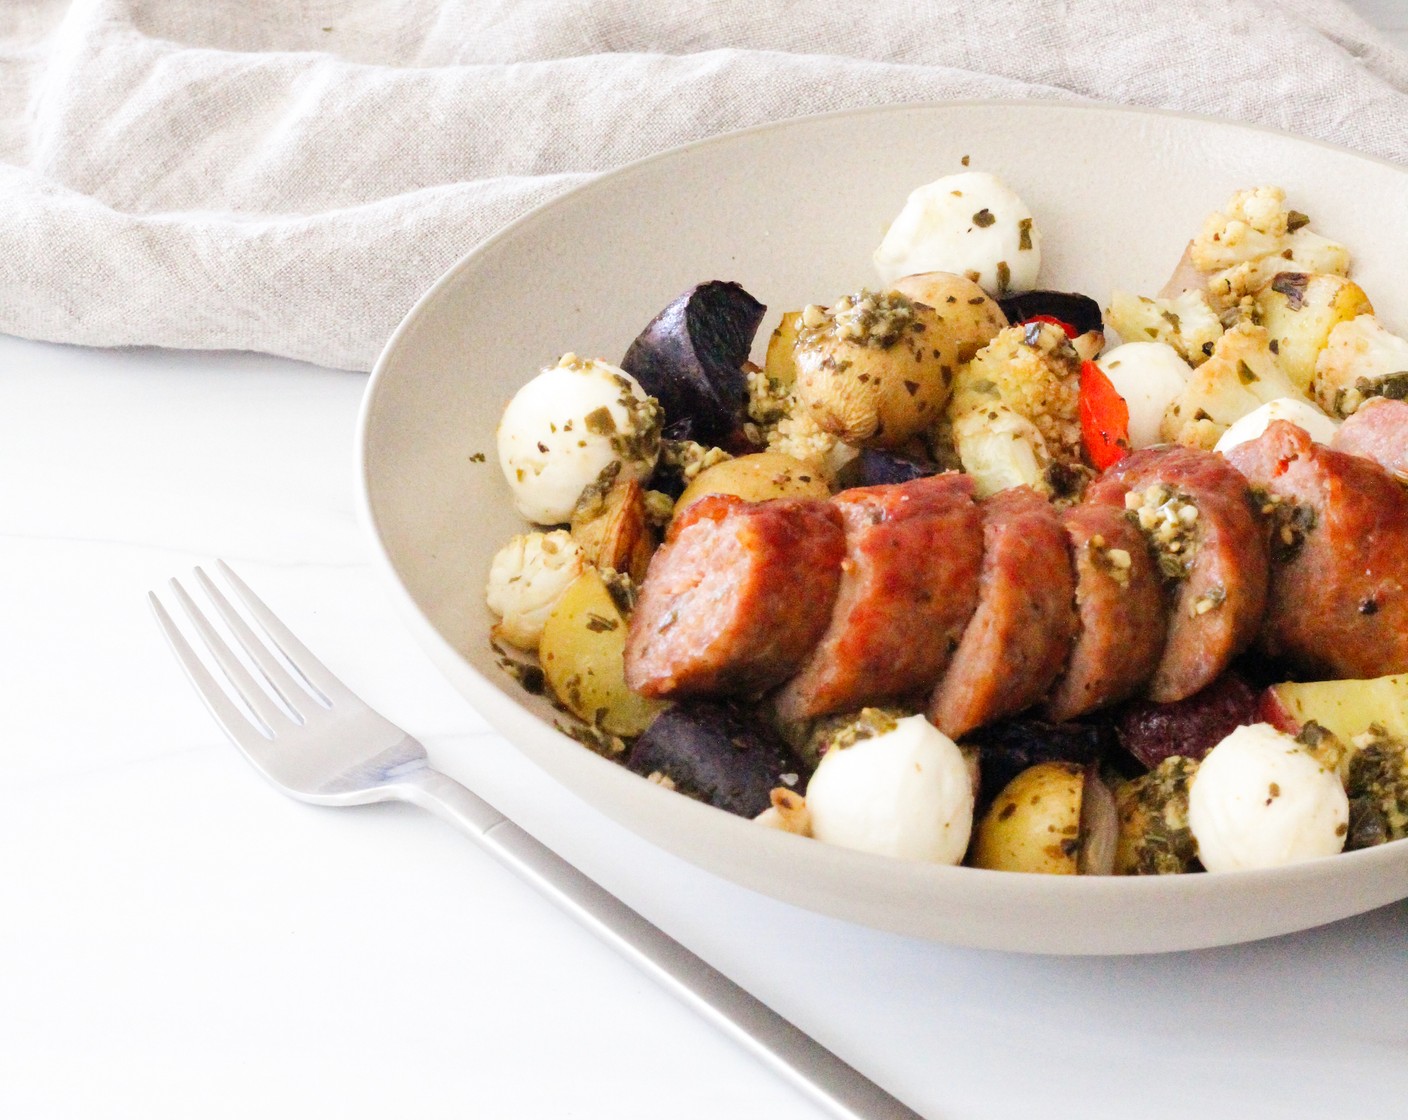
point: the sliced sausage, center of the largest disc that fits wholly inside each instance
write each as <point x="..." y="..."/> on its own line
<point x="1339" y="555"/>
<point x="1119" y="597"/>
<point x="736" y="597"/>
<point x="1378" y="431"/>
<point x="1216" y="580"/>
<point x="909" y="584"/>
<point x="1017" y="641"/>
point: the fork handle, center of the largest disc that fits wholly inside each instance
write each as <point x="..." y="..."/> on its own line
<point x="818" y="1073"/>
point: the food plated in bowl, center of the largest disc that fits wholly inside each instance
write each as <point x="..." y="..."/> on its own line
<point x="594" y="278"/>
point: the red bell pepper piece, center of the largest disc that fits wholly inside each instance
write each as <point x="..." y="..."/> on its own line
<point x="1071" y="332"/>
<point x="1104" y="418"/>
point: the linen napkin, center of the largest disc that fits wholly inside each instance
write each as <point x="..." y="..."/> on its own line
<point x="288" y="176"/>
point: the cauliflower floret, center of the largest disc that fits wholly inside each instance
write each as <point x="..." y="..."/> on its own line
<point x="1186" y="322"/>
<point x="1253" y="224"/>
<point x="526" y="579"/>
<point x="1015" y="410"/>
<point x="1001" y="449"/>
<point x="1360" y="360"/>
<point x="1033" y="371"/>
<point x="777" y="420"/>
<point x="1241" y="375"/>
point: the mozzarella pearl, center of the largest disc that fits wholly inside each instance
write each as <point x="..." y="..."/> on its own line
<point x="1260" y="799"/>
<point x="1148" y="375"/>
<point x="1303" y="414"/>
<point x="971" y="224"/>
<point x="563" y="428"/>
<point x="905" y="792"/>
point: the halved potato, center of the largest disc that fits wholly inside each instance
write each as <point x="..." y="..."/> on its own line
<point x="780" y="363"/>
<point x="612" y="528"/>
<point x="582" y="653"/>
<point x="757" y="478"/>
<point x="1054" y="818"/>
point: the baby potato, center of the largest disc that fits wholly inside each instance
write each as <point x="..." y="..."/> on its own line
<point x="874" y="370"/>
<point x="757" y="478"/>
<point x="781" y="363"/>
<point x="1034" y="824"/>
<point x="582" y="653"/>
<point x="970" y="316"/>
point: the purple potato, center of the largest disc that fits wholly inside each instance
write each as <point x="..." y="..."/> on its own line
<point x="690" y="358"/>
<point x="1190" y="727"/>
<point x="1079" y="311"/>
<point x="1008" y="747"/>
<point x="873" y="467"/>
<point x="719" y="754"/>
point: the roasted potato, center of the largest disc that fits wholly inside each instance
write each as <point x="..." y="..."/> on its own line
<point x="582" y="654"/>
<point x="718" y="754"/>
<point x="780" y="364"/>
<point x="611" y="527"/>
<point x="690" y="358"/>
<point x="757" y="478"/>
<point x="874" y="370"/>
<point x="1055" y="818"/>
<point x="969" y="315"/>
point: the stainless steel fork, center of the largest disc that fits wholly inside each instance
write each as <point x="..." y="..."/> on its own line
<point x="314" y="739"/>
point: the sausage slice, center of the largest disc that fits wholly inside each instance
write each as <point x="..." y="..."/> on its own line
<point x="1378" y="431"/>
<point x="1017" y="641"/>
<point x="736" y="597"/>
<point x="908" y="586"/>
<point x="1213" y="559"/>
<point x="1119" y="597"/>
<point x="1339" y="555"/>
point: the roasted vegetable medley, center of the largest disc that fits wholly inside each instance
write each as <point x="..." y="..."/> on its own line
<point x="972" y="571"/>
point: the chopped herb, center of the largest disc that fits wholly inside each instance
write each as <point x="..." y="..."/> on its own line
<point x="983" y="218"/>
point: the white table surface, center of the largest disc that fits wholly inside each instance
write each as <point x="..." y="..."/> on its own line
<point x="177" y="940"/>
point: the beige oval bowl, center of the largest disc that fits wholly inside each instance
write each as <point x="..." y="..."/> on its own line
<point x="793" y="211"/>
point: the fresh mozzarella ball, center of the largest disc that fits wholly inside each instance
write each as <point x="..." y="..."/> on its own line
<point x="526" y="579"/>
<point x="1303" y="414"/>
<point x="1148" y="375"/>
<point x="972" y="224"/>
<point x="901" y="788"/>
<point x="1260" y="799"/>
<point x="563" y="428"/>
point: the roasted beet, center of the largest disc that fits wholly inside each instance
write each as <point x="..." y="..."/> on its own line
<point x="1007" y="748"/>
<point x="690" y="358"/>
<point x="873" y="467"/>
<point x="1079" y="311"/>
<point x="718" y="754"/>
<point x="1191" y="727"/>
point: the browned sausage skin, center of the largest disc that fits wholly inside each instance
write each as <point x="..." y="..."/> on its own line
<point x="1018" y="639"/>
<point x="736" y="597"/>
<point x="1214" y="558"/>
<point x="908" y="586"/>
<point x="1378" y="431"/>
<point x="1119" y="597"/>
<point x="1339" y="551"/>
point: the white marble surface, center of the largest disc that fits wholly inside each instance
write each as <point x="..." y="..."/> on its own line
<point x="177" y="940"/>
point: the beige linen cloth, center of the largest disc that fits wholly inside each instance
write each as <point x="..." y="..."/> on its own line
<point x="289" y="175"/>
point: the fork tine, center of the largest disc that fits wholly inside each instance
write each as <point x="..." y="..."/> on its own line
<point x="240" y="678"/>
<point x="313" y="671"/>
<point x="285" y="686"/>
<point x="226" y="714"/>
